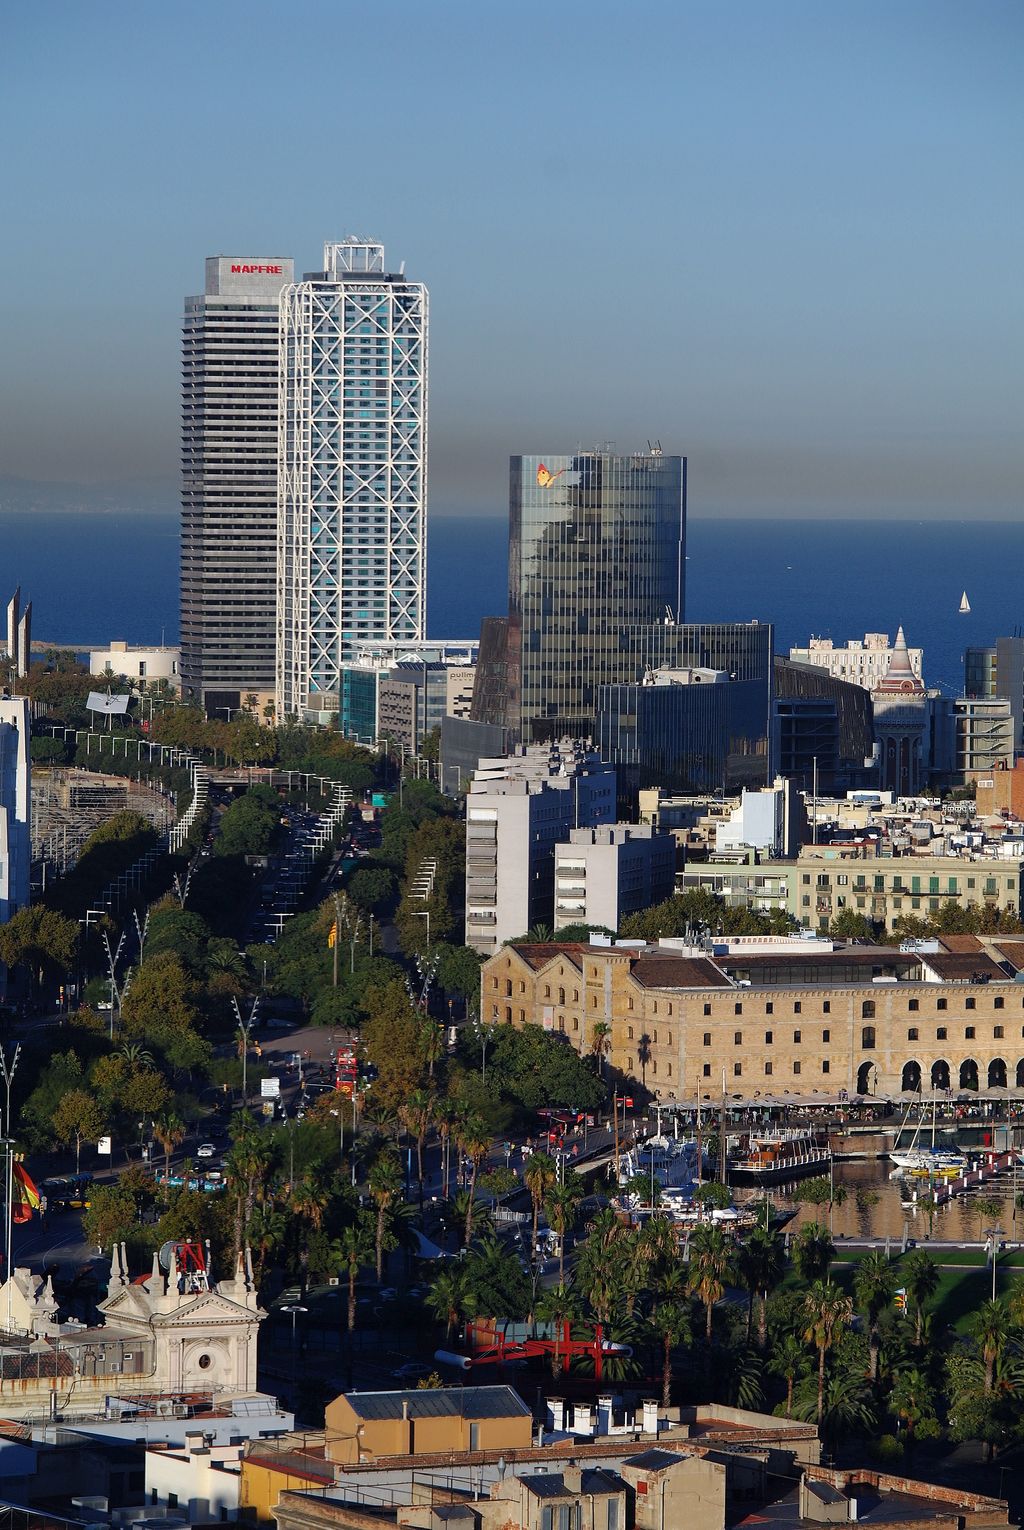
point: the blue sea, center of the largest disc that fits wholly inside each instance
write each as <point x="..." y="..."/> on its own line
<point x="96" y="576"/>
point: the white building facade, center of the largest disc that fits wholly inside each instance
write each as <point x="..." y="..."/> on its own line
<point x="149" y="666"/>
<point x="352" y="471"/>
<point x="861" y="662"/>
<point x="15" y="806"/>
<point x="517" y="810"/>
<point x="605" y="873"/>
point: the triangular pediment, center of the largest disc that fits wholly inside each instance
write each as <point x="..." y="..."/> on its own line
<point x="207" y="1307"/>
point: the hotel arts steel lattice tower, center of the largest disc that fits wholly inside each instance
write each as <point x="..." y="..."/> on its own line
<point x="352" y="479"/>
<point x="596" y="570"/>
<point x="229" y="481"/>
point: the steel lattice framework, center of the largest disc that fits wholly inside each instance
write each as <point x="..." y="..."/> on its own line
<point x="352" y="478"/>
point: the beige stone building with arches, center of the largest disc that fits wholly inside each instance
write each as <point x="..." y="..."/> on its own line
<point x="776" y="1018"/>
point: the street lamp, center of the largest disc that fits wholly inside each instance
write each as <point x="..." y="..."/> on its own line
<point x="245" y="1026"/>
<point x="992" y="1233"/>
<point x="294" y="1311"/>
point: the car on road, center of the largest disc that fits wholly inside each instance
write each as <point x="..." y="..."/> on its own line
<point x="206" y="1150"/>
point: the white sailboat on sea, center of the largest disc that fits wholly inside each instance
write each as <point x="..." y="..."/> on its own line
<point x="965" y="605"/>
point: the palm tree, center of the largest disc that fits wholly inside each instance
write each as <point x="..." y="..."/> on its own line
<point x="788" y="1360"/>
<point x="874" y="1286"/>
<point x="169" y="1130"/>
<point x="540" y="1174"/>
<point x="449" y="1297"/>
<point x="457" y="1209"/>
<point x="812" y="1250"/>
<point x="846" y="1404"/>
<point x="384" y="1183"/>
<point x="308" y="1200"/>
<point x="670" y="1321"/>
<point x="600" y="1043"/>
<point x="432" y="1044"/>
<point x="912" y="1400"/>
<point x="562" y="1206"/>
<point x="416" y="1115"/>
<point x="761" y="1263"/>
<point x="826" y="1311"/>
<point x="475" y="1141"/>
<point x="354" y="1246"/>
<point x="267" y="1228"/>
<point x="921" y="1280"/>
<point x="246" y="1166"/>
<point x="710" y="1268"/>
<point x="558" y="1306"/>
<point x="991" y="1329"/>
<point x="447" y="1116"/>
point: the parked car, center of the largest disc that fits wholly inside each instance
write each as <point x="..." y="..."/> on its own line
<point x="206" y="1150"/>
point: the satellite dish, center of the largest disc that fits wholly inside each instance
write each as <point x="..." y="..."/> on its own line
<point x="164" y="1256"/>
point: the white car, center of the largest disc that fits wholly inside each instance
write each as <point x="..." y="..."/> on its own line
<point x="206" y="1150"/>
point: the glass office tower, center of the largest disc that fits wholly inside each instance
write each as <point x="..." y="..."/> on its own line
<point x="229" y="482"/>
<point x="352" y="476"/>
<point x="596" y="546"/>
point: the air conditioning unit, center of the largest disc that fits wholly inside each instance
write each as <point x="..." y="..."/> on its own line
<point x="179" y="1410"/>
<point x="164" y="1409"/>
<point x="333" y="1280"/>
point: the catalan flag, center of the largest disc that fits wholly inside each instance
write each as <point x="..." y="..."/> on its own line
<point x="25" y="1196"/>
<point x="332" y="935"/>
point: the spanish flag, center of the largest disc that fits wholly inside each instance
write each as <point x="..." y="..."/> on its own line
<point x="332" y="935"/>
<point x="25" y="1196"/>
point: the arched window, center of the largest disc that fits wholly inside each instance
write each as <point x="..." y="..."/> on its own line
<point x="867" y="1038"/>
<point x="867" y="1009"/>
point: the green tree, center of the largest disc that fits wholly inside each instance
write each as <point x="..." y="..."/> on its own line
<point x="497" y="1285"/>
<point x="761" y="1265"/>
<point x="789" y="1361"/>
<point x="710" y="1269"/>
<point x="384" y="1183"/>
<point x="874" y="1287"/>
<point x="812" y="1251"/>
<point x="991" y="1328"/>
<point x="827" y="1311"/>
<point x="562" y="1204"/>
<point x="110" y="1216"/>
<point x="355" y="1246"/>
<point x="449" y="1298"/>
<point x="670" y="1322"/>
<point x="40" y="939"/>
<point x="921" y="1281"/>
<point x="77" y="1117"/>
<point x="912" y="1400"/>
<point x="475" y="1142"/>
<point x="540" y="1174"/>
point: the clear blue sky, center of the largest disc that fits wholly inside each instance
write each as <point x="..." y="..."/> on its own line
<point x="785" y="238"/>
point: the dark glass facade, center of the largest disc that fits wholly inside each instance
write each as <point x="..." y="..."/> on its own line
<point x="700" y="734"/>
<point x="596" y="547"/>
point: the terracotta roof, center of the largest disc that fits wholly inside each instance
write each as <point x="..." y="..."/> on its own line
<point x="962" y="968"/>
<point x="960" y="943"/>
<point x="665" y="971"/>
<point x="1012" y="951"/>
<point x="539" y="953"/>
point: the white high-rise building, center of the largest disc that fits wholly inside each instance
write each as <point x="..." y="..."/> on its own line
<point x="229" y="481"/>
<point x="15" y="806"/>
<point x="352" y="471"/>
<point x="519" y="807"/>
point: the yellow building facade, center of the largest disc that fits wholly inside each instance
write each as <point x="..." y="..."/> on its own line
<point x="868" y="1020"/>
